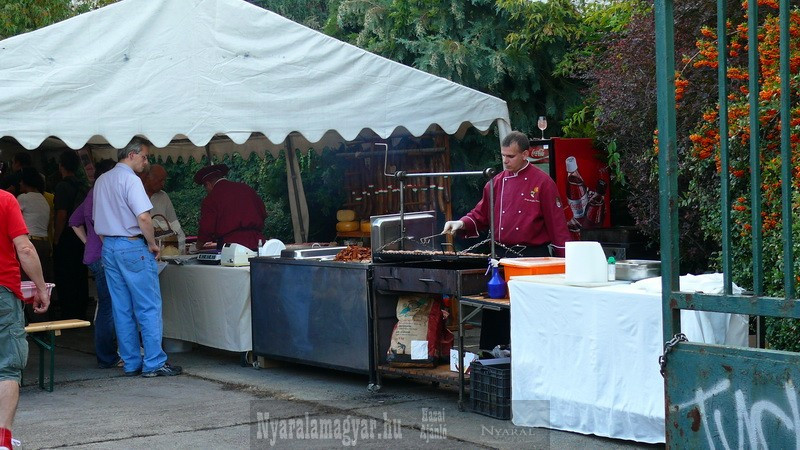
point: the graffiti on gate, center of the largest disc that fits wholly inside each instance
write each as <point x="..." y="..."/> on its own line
<point x="709" y="406"/>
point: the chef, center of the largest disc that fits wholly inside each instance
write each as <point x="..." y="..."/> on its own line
<point x="528" y="213"/>
<point x="231" y="212"/>
<point x="529" y="219"/>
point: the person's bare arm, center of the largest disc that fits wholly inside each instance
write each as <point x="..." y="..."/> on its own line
<point x="29" y="260"/>
<point x="80" y="232"/>
<point x="146" y="225"/>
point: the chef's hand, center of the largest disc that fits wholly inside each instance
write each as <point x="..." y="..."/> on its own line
<point x="452" y="226"/>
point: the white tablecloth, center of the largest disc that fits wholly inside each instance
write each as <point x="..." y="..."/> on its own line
<point x="208" y="305"/>
<point x="593" y="354"/>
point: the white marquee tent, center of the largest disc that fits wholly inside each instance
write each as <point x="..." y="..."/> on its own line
<point x="182" y="72"/>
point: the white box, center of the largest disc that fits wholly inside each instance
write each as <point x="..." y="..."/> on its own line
<point x="419" y="350"/>
<point x="468" y="358"/>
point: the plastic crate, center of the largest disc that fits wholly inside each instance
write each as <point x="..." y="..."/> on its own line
<point x="490" y="388"/>
<point x="544" y="265"/>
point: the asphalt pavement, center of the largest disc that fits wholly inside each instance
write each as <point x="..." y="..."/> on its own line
<point x="217" y="403"/>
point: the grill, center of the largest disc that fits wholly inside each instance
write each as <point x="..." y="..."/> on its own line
<point x="454" y="278"/>
<point x="417" y="243"/>
<point x="407" y="256"/>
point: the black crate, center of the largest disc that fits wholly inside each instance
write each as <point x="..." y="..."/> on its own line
<point x="490" y="387"/>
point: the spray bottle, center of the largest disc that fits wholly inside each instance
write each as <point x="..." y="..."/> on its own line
<point x="497" y="285"/>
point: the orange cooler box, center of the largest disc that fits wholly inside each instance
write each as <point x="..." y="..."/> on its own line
<point x="544" y="265"/>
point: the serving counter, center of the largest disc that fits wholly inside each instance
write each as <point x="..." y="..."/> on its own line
<point x="586" y="359"/>
<point x="312" y="312"/>
<point x="208" y="305"/>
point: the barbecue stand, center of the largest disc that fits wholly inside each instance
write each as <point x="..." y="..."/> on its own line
<point x="444" y="273"/>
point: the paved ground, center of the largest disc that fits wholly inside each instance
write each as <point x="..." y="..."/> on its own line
<point x="219" y="404"/>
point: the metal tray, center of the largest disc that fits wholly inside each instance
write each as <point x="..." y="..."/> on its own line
<point x="311" y="253"/>
<point x="637" y="269"/>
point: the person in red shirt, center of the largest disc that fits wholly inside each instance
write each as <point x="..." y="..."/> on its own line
<point x="231" y="212"/>
<point x="528" y="213"/>
<point x="13" y="346"/>
<point x="529" y="221"/>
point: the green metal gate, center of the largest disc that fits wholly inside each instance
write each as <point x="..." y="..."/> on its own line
<point x="719" y="396"/>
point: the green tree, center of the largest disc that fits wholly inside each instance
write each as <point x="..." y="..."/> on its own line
<point x="474" y="43"/>
<point x="22" y="16"/>
<point x="468" y="43"/>
<point x="311" y="13"/>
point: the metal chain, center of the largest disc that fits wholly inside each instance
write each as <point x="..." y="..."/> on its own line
<point x="662" y="360"/>
<point x="383" y="247"/>
<point x="515" y="249"/>
<point x="467" y="250"/>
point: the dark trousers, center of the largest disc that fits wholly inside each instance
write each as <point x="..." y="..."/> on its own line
<point x="496" y="325"/>
<point x="71" y="276"/>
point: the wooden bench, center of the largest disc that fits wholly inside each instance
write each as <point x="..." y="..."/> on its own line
<point x="48" y="344"/>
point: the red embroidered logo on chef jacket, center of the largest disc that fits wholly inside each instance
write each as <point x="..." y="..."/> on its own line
<point x="533" y="195"/>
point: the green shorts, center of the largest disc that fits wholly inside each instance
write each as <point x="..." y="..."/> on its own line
<point x="13" y="345"/>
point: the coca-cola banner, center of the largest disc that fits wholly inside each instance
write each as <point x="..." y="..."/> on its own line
<point x="583" y="183"/>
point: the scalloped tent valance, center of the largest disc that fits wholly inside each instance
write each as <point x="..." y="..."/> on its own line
<point x="204" y="68"/>
<point x="180" y="70"/>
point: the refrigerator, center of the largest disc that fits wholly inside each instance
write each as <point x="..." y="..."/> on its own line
<point x="582" y="177"/>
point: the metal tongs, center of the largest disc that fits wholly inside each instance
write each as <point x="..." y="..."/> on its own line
<point x="427" y="239"/>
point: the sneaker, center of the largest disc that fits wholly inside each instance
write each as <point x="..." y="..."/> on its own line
<point x="164" y="371"/>
<point x="134" y="373"/>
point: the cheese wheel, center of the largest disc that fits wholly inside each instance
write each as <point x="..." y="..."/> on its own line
<point x="345" y="215"/>
<point x="366" y="227"/>
<point x="347" y="226"/>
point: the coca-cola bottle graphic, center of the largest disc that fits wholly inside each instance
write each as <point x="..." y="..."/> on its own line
<point x="577" y="194"/>
<point x="574" y="228"/>
<point x="596" y="209"/>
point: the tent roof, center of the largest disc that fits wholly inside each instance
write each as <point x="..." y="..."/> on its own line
<point x="198" y="68"/>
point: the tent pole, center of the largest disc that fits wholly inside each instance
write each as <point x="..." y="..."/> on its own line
<point x="298" y="221"/>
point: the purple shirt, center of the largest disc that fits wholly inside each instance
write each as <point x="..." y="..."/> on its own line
<point x="82" y="216"/>
<point x="119" y="198"/>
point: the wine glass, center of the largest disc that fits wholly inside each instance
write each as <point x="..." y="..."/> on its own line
<point x="542" y="124"/>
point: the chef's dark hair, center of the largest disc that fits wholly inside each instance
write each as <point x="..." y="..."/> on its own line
<point x="135" y="146"/>
<point x="520" y="138"/>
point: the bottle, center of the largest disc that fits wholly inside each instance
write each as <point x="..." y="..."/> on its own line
<point x="596" y="209"/>
<point x="577" y="194"/>
<point x="497" y="285"/>
<point x="612" y="268"/>
<point x="574" y="228"/>
<point x="261" y="250"/>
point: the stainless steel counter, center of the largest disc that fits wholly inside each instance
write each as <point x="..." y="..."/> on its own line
<point x="312" y="312"/>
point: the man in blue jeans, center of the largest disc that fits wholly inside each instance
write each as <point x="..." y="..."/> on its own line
<point x="82" y="222"/>
<point x="122" y="220"/>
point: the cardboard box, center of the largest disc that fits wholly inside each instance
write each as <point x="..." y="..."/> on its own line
<point x="468" y="358"/>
